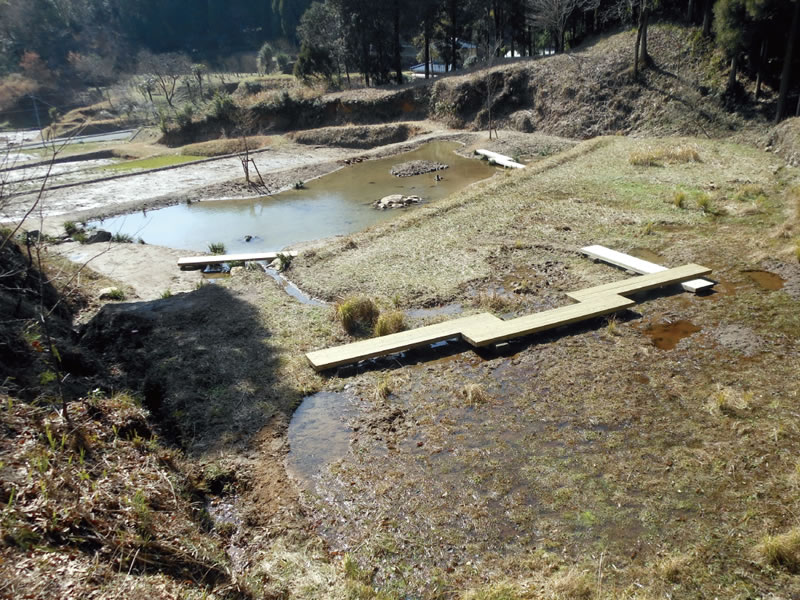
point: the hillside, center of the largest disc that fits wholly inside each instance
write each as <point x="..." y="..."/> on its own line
<point x="580" y="94"/>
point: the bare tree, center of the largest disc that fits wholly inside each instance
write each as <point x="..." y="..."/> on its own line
<point x="553" y="15"/>
<point x="166" y="70"/>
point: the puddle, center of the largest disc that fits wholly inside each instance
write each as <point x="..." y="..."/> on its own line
<point x="436" y="311"/>
<point x="336" y="204"/>
<point x="666" y="336"/>
<point x="770" y="282"/>
<point x="319" y="434"/>
<point x="291" y="289"/>
<point x="648" y="255"/>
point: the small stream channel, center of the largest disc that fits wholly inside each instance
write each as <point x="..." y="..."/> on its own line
<point x="336" y="204"/>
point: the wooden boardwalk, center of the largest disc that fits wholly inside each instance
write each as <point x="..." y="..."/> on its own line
<point x="215" y="259"/>
<point x="500" y="159"/>
<point x="485" y="329"/>
<point x="626" y="261"/>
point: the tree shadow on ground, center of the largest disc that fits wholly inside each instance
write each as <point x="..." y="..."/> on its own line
<point x="202" y="361"/>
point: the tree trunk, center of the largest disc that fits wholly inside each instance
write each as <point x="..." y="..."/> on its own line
<point x="760" y="68"/>
<point x="787" y="63"/>
<point x="645" y="57"/>
<point x="708" y="8"/>
<point x="427" y="52"/>
<point x="729" y="89"/>
<point x="398" y="63"/>
<point x="690" y="12"/>
<point x="636" y="50"/>
<point x="641" y="57"/>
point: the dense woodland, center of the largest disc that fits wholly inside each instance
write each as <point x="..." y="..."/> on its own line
<point x="94" y="42"/>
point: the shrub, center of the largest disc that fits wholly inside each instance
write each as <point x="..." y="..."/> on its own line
<point x="283" y="62"/>
<point x="71" y="228"/>
<point x="357" y="314"/>
<point x="166" y="294"/>
<point x="184" y="116"/>
<point x="216" y="248"/>
<point x="122" y="238"/>
<point x="391" y="322"/>
<point x="223" y="106"/>
<point x="265" y="58"/>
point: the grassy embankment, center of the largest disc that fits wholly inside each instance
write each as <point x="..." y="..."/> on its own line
<point x="592" y="464"/>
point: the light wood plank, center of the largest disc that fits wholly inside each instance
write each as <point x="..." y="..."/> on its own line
<point x="396" y="342"/>
<point x="500" y="159"/>
<point x="485" y="334"/>
<point x="642" y="283"/>
<point x="215" y="259"/>
<point x="626" y="261"/>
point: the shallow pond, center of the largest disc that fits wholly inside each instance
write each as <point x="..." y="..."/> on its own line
<point x="333" y="205"/>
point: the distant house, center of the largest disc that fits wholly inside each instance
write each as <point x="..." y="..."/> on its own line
<point x="436" y="68"/>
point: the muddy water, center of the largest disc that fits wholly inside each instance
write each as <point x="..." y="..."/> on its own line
<point x="333" y="205"/>
<point x="766" y="280"/>
<point x="666" y="336"/>
<point x="319" y="434"/>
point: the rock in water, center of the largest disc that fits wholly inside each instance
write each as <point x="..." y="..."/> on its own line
<point x="417" y="167"/>
<point x="99" y="237"/>
<point x="396" y="201"/>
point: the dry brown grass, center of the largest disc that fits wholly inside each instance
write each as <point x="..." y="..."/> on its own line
<point x="390" y="322"/>
<point x="572" y="585"/>
<point x="475" y="393"/>
<point x="781" y="550"/>
<point x="657" y="157"/>
<point x="225" y="146"/>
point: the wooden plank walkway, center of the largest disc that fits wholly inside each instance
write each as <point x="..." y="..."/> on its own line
<point x="215" y="259"/>
<point x="398" y="342"/>
<point x="500" y="159"/>
<point x="485" y="329"/>
<point x="643" y="267"/>
<point x="642" y="283"/>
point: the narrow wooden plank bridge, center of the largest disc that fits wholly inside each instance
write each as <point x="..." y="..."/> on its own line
<point x="216" y="259"/>
<point x="486" y="329"/>
<point x="500" y="159"/>
<point x="637" y="265"/>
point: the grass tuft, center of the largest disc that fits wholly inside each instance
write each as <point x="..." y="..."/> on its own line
<point x="357" y="314"/>
<point x="705" y="204"/>
<point x="475" y="393"/>
<point x="781" y="550"/>
<point x="494" y="302"/>
<point x="390" y="322"/>
<point x="216" y="248"/>
<point x="679" y="200"/>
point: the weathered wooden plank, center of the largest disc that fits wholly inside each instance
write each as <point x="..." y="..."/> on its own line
<point x="642" y="283"/>
<point x="485" y="329"/>
<point x="626" y="261"/>
<point x="500" y="159"/>
<point x="396" y="342"/>
<point x="215" y="259"/>
<point x="483" y="334"/>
